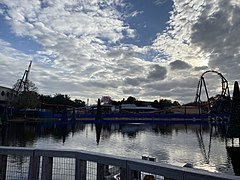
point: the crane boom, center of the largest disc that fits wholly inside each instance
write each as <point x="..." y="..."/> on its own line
<point x="24" y="80"/>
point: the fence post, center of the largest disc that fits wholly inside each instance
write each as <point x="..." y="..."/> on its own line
<point x="47" y="165"/>
<point x="80" y="169"/>
<point x="33" y="172"/>
<point x="123" y="173"/>
<point x="102" y="170"/>
<point x="131" y="174"/>
<point x="3" y="166"/>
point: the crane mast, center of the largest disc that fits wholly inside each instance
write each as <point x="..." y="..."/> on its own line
<point x="24" y="80"/>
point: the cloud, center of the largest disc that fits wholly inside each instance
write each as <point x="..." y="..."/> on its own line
<point x="216" y="32"/>
<point x="157" y="72"/>
<point x="160" y="2"/>
<point x="199" y="68"/>
<point x="178" y="64"/>
<point x="83" y="53"/>
<point x="131" y="81"/>
<point x="203" y="34"/>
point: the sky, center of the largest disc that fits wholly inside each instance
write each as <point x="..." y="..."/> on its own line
<point x="149" y="49"/>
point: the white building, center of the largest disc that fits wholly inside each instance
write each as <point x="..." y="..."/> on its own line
<point x="6" y="94"/>
<point x="134" y="108"/>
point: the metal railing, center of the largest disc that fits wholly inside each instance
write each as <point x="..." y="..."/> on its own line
<point x="45" y="164"/>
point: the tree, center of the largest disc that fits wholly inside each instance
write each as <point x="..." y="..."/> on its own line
<point x="131" y="99"/>
<point x="165" y="103"/>
<point x="25" y="99"/>
<point x="106" y="100"/>
<point x="19" y="86"/>
<point x="155" y="104"/>
<point x="60" y="99"/>
<point x="176" y="103"/>
<point x="236" y="99"/>
<point x="79" y="103"/>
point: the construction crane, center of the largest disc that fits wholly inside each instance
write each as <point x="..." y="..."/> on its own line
<point x="24" y="80"/>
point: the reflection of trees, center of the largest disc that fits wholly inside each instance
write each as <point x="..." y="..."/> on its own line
<point x="26" y="135"/>
<point x="131" y="130"/>
<point x="219" y="131"/>
<point x="163" y="129"/>
<point x="16" y="135"/>
<point x="98" y="127"/>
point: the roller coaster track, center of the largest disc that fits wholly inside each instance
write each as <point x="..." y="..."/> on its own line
<point x="213" y="104"/>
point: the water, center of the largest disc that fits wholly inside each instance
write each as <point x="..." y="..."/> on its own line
<point x="201" y="145"/>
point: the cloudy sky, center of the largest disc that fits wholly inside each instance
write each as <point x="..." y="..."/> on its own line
<point x="149" y="49"/>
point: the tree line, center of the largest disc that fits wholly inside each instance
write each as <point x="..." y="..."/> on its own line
<point x="32" y="99"/>
<point x="159" y="104"/>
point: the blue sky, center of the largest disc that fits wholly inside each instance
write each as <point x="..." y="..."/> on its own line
<point x="147" y="49"/>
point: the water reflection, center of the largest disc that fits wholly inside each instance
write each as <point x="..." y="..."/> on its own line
<point x="199" y="144"/>
<point x="234" y="154"/>
<point x="98" y="127"/>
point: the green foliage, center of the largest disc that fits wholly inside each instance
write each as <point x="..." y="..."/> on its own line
<point x="106" y="99"/>
<point x="26" y="99"/>
<point x="164" y="103"/>
<point x="61" y="100"/>
<point x="131" y="99"/>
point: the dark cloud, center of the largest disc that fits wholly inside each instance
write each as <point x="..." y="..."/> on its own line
<point x="131" y="91"/>
<point x="179" y="65"/>
<point x="189" y="82"/>
<point x="199" y="68"/>
<point x="218" y="35"/>
<point x="100" y="84"/>
<point x="131" y="81"/>
<point x="157" y="72"/>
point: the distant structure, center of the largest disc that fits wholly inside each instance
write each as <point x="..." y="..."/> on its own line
<point x="24" y="80"/>
<point x="234" y="122"/>
<point x="221" y="103"/>
<point x="235" y="113"/>
<point x="6" y="95"/>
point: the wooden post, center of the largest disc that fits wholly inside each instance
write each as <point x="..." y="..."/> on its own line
<point x="33" y="172"/>
<point x="102" y="170"/>
<point x="80" y="169"/>
<point x="47" y="165"/>
<point x="3" y="166"/>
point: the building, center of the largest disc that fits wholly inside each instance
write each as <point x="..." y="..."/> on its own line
<point x="132" y="108"/>
<point x="6" y="95"/>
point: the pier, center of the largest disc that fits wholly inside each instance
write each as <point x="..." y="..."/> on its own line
<point x="48" y="164"/>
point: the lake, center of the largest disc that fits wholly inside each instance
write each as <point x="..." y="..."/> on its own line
<point x="202" y="145"/>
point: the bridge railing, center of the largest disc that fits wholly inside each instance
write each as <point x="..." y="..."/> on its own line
<point x="45" y="164"/>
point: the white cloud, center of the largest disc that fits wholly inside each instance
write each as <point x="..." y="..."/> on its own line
<point x="83" y="56"/>
<point x="203" y="34"/>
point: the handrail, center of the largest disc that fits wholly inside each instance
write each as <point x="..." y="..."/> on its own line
<point x="127" y="165"/>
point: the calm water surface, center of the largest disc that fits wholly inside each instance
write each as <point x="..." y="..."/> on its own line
<point x="204" y="146"/>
